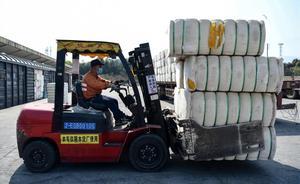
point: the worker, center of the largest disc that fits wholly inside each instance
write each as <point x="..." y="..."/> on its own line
<point x="95" y="85"/>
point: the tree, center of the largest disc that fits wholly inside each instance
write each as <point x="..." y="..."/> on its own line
<point x="292" y="68"/>
<point x="295" y="61"/>
<point x="288" y="69"/>
<point x="68" y="62"/>
<point x="112" y="69"/>
<point x="84" y="68"/>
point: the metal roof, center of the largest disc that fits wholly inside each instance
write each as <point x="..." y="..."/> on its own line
<point x="14" y="49"/>
<point x="25" y="62"/>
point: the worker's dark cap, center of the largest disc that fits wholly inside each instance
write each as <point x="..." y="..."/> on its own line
<point x="96" y="62"/>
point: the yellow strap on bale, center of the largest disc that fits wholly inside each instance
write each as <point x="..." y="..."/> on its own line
<point x="192" y="85"/>
<point x="216" y="34"/>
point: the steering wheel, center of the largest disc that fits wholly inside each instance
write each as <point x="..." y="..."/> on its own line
<point x="116" y="85"/>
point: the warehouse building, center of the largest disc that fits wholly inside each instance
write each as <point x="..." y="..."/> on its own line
<point x="24" y="74"/>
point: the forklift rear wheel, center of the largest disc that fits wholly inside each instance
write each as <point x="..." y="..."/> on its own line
<point x="148" y="153"/>
<point x="39" y="156"/>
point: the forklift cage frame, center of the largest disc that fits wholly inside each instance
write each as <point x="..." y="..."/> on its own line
<point x="88" y="48"/>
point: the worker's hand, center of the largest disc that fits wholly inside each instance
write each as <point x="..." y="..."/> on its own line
<point x="108" y="84"/>
<point x="113" y="87"/>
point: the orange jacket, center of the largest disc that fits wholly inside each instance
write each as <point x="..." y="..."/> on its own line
<point x="95" y="84"/>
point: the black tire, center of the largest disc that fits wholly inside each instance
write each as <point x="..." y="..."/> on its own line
<point x="292" y="94"/>
<point x="39" y="156"/>
<point x="148" y="153"/>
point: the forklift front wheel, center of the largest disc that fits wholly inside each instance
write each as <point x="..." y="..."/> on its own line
<point x="39" y="156"/>
<point x="148" y="153"/>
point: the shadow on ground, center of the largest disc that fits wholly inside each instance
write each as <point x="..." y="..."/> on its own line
<point x="175" y="172"/>
<point x="286" y="128"/>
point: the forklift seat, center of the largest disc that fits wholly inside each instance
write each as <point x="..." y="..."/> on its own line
<point x="82" y="102"/>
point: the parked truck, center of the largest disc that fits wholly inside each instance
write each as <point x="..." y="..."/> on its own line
<point x="291" y="87"/>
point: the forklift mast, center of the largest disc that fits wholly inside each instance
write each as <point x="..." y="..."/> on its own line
<point x="141" y="62"/>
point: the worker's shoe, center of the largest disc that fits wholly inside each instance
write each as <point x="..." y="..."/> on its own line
<point x="129" y="118"/>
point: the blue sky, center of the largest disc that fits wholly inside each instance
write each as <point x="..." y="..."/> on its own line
<point x="37" y="24"/>
<point x="282" y="23"/>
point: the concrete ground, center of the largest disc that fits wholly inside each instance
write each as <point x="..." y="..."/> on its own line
<point x="284" y="169"/>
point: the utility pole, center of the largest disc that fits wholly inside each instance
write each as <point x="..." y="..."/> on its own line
<point x="280" y="49"/>
<point x="46" y="51"/>
<point x="50" y="51"/>
<point x="268" y="49"/>
<point x="267" y="20"/>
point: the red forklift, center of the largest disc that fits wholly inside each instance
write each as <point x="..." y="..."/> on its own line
<point x="84" y="132"/>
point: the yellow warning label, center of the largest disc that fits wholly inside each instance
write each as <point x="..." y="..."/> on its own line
<point x="79" y="138"/>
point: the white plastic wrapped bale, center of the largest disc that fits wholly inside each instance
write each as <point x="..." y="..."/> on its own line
<point x="267" y="153"/>
<point x="38" y="84"/>
<point x="220" y="108"/>
<point x="179" y="73"/>
<point x="229" y="37"/>
<point x="168" y="69"/>
<point x="173" y="72"/>
<point x="156" y="65"/>
<point x="51" y="93"/>
<point x="235" y="74"/>
<point x="164" y="67"/>
<point x="269" y="150"/>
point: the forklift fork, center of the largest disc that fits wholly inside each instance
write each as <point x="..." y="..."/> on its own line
<point x="202" y="143"/>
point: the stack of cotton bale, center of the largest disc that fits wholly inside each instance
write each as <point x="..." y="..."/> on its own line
<point x="222" y="79"/>
<point x="155" y="66"/>
<point x="51" y="93"/>
<point x="158" y="62"/>
<point x="164" y="67"/>
<point x="170" y="69"/>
